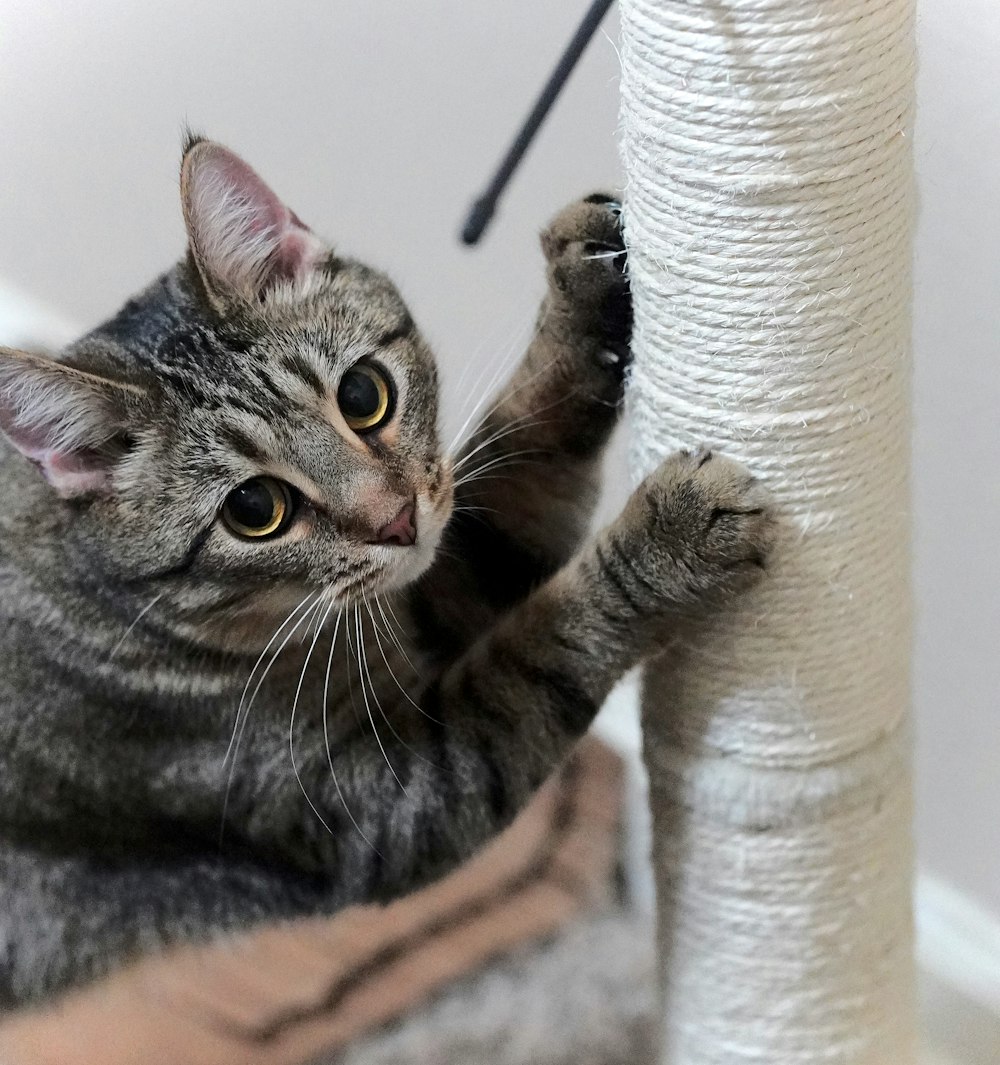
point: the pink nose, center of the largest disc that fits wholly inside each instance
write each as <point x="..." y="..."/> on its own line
<point x="402" y="530"/>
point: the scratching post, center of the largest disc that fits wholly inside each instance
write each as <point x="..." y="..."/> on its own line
<point x="768" y="213"/>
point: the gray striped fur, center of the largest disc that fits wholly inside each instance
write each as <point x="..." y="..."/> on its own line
<point x="423" y="692"/>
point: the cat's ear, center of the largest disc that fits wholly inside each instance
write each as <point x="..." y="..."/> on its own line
<point x="243" y="238"/>
<point x="69" y="423"/>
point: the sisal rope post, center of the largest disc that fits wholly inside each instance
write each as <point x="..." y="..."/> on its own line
<point x="768" y="211"/>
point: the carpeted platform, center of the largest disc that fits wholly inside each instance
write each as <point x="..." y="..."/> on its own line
<point x="586" y="997"/>
<point x="524" y="955"/>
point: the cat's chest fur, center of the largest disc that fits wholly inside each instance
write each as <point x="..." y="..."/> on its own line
<point x="144" y="734"/>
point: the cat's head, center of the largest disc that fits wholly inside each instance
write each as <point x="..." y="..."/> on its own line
<point x="257" y="426"/>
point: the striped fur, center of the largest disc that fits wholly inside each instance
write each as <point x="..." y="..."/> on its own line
<point x="176" y="758"/>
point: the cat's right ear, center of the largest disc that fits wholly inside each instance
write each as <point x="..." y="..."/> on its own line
<point x="243" y="239"/>
<point x="68" y="423"/>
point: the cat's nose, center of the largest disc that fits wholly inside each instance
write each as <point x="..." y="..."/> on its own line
<point x="402" y="530"/>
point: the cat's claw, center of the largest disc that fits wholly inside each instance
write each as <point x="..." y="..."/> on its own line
<point x="588" y="275"/>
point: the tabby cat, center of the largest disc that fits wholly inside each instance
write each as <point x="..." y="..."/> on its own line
<point x="266" y="650"/>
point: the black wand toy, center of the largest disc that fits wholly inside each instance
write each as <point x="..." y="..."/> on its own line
<point x="482" y="210"/>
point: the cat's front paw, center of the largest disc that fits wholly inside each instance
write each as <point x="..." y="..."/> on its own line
<point x="588" y="280"/>
<point x="699" y="528"/>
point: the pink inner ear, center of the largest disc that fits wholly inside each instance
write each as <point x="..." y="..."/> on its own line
<point x="70" y="471"/>
<point x="295" y="255"/>
<point x="247" y="237"/>
<point x="74" y="473"/>
<point x="62" y="419"/>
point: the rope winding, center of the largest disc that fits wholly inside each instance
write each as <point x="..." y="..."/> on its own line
<point x="768" y="214"/>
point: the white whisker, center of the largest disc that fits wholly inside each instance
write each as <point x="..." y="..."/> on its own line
<point x="508" y="394"/>
<point x="504" y="365"/>
<point x="494" y="438"/>
<point x="291" y="720"/>
<point x="508" y="459"/>
<point x="392" y="672"/>
<point x="460" y="507"/>
<point x="125" y="635"/>
<point x="503" y="429"/>
<point x="364" y="692"/>
<point x="270" y="643"/>
<point x="392" y="633"/>
<point x="243" y="716"/>
<point x="326" y="736"/>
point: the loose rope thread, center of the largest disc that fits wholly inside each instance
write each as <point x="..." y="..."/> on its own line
<point x="768" y="216"/>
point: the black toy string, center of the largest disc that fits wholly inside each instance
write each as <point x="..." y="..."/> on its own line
<point x="482" y="209"/>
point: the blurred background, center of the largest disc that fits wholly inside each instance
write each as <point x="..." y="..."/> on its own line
<point x="378" y="123"/>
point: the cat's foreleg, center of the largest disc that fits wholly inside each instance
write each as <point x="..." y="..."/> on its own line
<point x="539" y="446"/>
<point x="506" y="712"/>
<point x="528" y="478"/>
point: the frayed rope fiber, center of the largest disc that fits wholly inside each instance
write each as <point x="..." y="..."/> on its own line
<point x="768" y="210"/>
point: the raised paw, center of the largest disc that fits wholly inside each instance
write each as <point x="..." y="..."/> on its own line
<point x="699" y="527"/>
<point x="588" y="280"/>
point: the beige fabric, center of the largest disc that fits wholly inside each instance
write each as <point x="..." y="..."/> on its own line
<point x="284" y="995"/>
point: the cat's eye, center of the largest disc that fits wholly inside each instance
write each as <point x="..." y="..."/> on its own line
<point x="258" y="508"/>
<point x="365" y="397"/>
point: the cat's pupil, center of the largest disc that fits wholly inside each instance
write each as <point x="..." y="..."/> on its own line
<point x="359" y="395"/>
<point x="252" y="505"/>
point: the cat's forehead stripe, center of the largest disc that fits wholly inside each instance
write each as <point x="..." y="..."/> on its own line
<point x="298" y="363"/>
<point x="402" y="331"/>
<point x="245" y="444"/>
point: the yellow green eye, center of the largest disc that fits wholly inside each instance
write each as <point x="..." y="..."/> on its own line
<point x="365" y="397"/>
<point x="258" y="508"/>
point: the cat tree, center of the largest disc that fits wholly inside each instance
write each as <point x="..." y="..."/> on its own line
<point x="768" y="216"/>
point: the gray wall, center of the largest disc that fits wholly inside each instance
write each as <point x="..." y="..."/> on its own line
<point x="378" y="121"/>
<point x="957" y="444"/>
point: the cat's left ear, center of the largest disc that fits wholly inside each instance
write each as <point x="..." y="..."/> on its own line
<point x="68" y="423"/>
<point x="243" y="239"/>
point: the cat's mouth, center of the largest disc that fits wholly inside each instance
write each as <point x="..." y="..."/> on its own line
<point x="402" y="561"/>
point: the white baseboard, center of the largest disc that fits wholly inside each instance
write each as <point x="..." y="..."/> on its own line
<point x="958" y="942"/>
